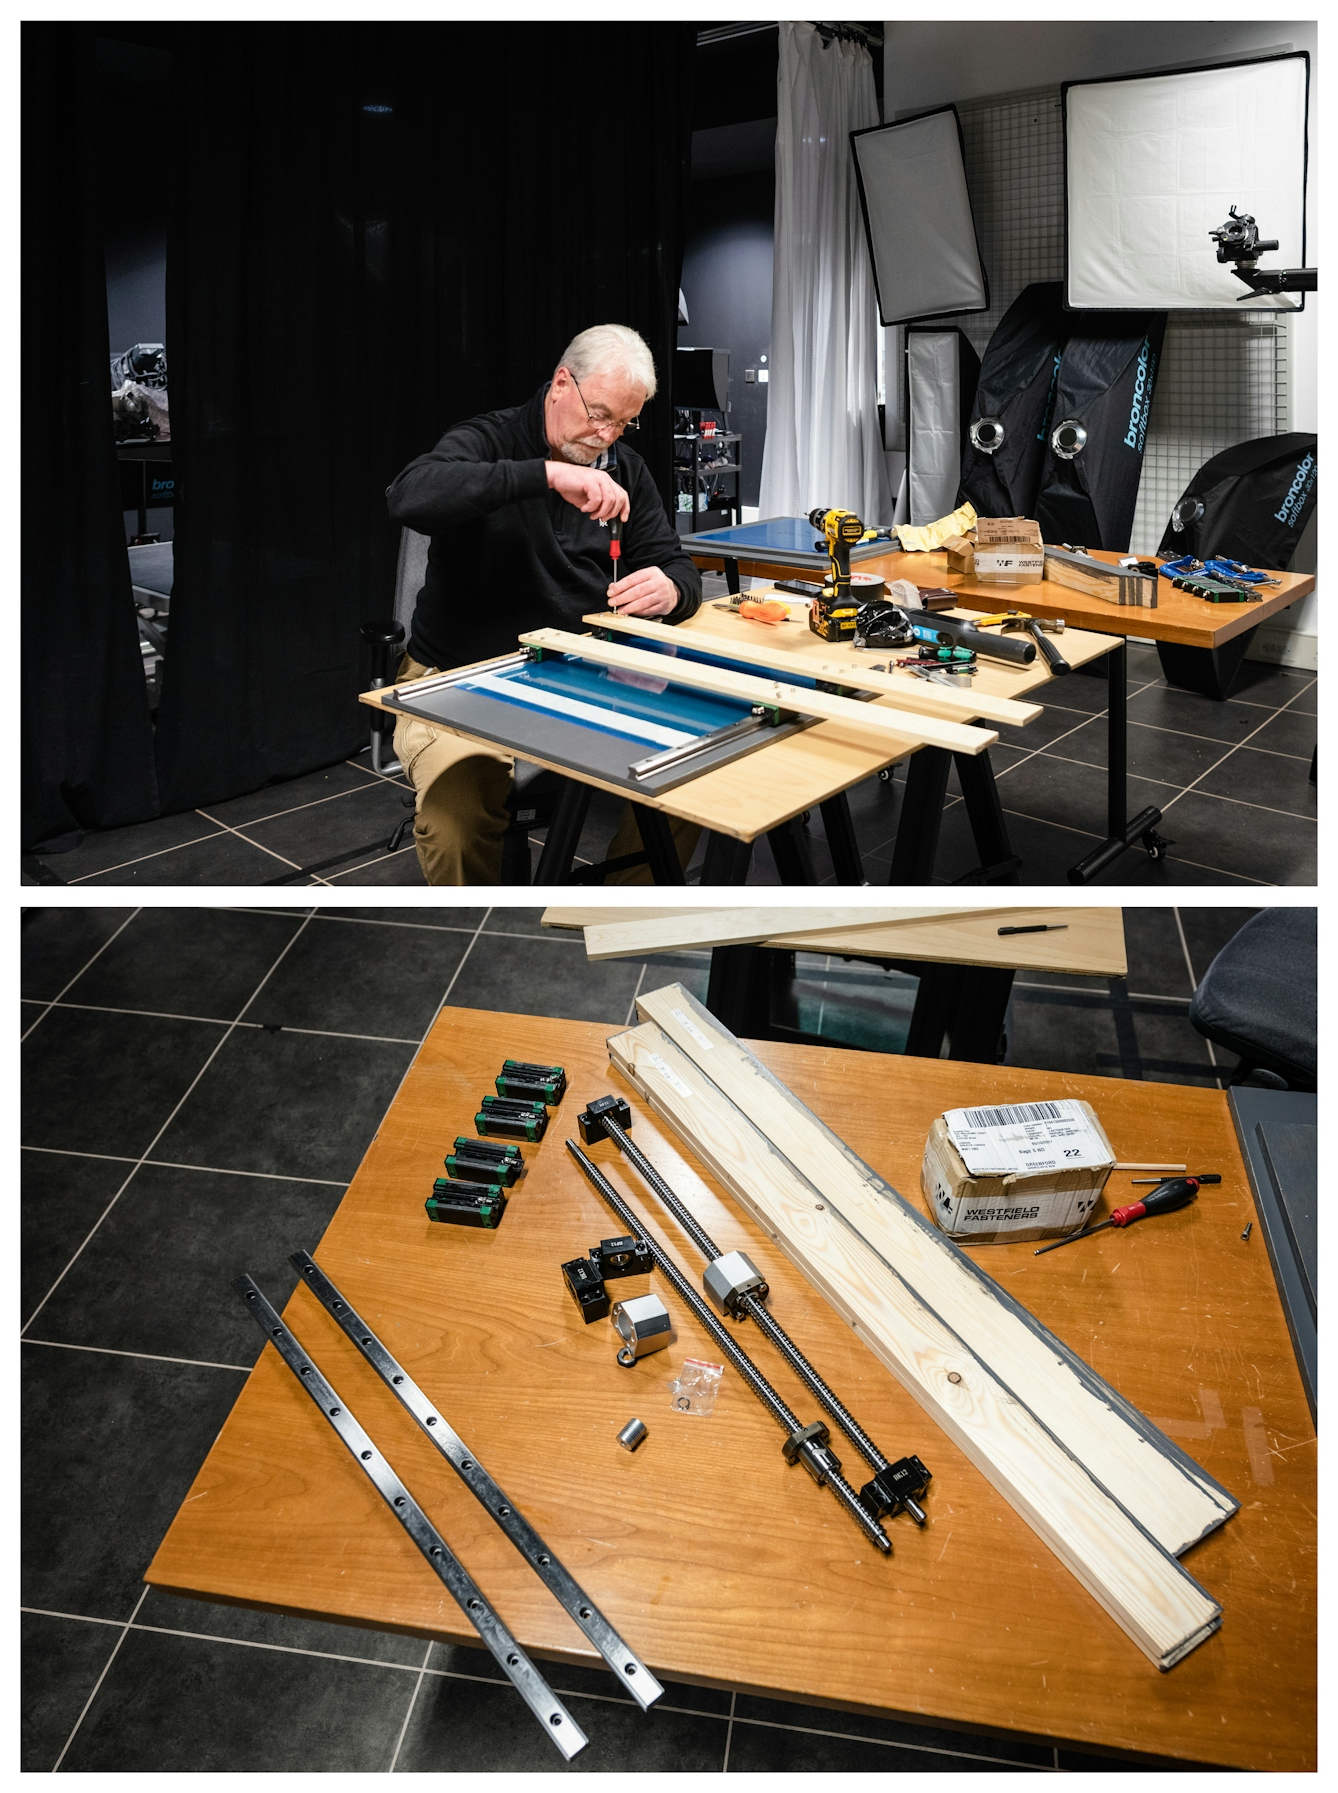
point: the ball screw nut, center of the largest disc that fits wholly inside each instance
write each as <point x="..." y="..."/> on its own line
<point x="632" y="1434"/>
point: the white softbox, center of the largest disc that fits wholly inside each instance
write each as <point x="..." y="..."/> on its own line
<point x="1155" y="162"/>
<point x="917" y="213"/>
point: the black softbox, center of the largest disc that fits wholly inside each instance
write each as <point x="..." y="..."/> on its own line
<point x="1004" y="451"/>
<point x="1250" y="502"/>
<point x="1094" y="453"/>
<point x="941" y="373"/>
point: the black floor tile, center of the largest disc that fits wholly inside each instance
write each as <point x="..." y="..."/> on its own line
<point x="396" y="869"/>
<point x="1166" y="1038"/>
<point x="1207" y="932"/>
<point x="692" y="970"/>
<point x="1046" y="851"/>
<point x="220" y="859"/>
<point x="331" y="783"/>
<point x="62" y="1197"/>
<point x="354" y="977"/>
<point x="61" y="1661"/>
<point x="544" y="977"/>
<point x="203" y="962"/>
<point x="333" y="836"/>
<point x="1267" y="779"/>
<point x="1080" y="694"/>
<point x="527" y="920"/>
<point x="157" y="1275"/>
<point x="1156" y="753"/>
<point x="1236" y="837"/>
<point x="172" y="1704"/>
<point x="56" y="944"/>
<point x="1260" y="683"/>
<point x="766" y="1749"/>
<point x="116" y="846"/>
<point x="106" y="1083"/>
<point x="1051" y="725"/>
<point x="1050" y="1029"/>
<point x="460" y="920"/>
<point x="1170" y="873"/>
<point x="905" y="1734"/>
<point x="287" y="1104"/>
<point x="1189" y="713"/>
<point x="1153" y="952"/>
<point x="110" y="1447"/>
<point x="1058" y="790"/>
<point x="1077" y="1761"/>
<point x="482" y="1727"/>
<point x="1290" y="731"/>
<point x="173" y="1612"/>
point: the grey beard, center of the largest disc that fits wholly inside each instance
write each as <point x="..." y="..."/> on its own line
<point x="578" y="454"/>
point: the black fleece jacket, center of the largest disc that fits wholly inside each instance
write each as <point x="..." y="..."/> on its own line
<point x="507" y="553"/>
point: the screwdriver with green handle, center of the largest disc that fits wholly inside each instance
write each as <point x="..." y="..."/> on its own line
<point x="1175" y="1192"/>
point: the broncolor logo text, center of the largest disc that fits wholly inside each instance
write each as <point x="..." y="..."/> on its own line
<point x="1136" y="434"/>
<point x="1294" y="502"/>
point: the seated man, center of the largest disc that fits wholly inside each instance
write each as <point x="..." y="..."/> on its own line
<point x="517" y="504"/>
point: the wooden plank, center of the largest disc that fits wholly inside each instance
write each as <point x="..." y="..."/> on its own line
<point x="1141" y="1586"/>
<point x="759" y="648"/>
<point x="1166" y="1491"/>
<point x="1090" y="942"/>
<point x="1100" y="579"/>
<point x="877" y="718"/>
<point x="559" y="916"/>
<point x="738" y="926"/>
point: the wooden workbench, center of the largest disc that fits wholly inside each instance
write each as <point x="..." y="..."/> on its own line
<point x="719" y="1564"/>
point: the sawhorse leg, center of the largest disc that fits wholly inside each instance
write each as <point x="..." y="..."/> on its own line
<point x="658" y="839"/>
<point x="1121" y="834"/>
<point x="989" y="830"/>
<point x="841" y="842"/>
<point x="965" y="1005"/>
<point x="564" y="834"/>
<point x="921" y="817"/>
<point x="727" y="860"/>
<point x="789" y="848"/>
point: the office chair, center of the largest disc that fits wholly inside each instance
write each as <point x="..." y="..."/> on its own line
<point x="1258" y="998"/>
<point x="535" y="790"/>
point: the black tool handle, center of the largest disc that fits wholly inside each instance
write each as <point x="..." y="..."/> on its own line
<point x="1057" y="663"/>
<point x="1176" y="1192"/>
<point x="993" y="647"/>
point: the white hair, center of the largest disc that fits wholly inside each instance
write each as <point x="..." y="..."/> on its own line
<point x="608" y="348"/>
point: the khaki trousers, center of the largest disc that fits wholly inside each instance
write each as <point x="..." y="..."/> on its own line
<point x="461" y="790"/>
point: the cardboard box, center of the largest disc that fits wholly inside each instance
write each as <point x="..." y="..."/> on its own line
<point x="1008" y="551"/>
<point x="961" y="553"/>
<point x="993" y="1209"/>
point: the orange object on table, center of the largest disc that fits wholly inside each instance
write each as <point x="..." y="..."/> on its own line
<point x="764" y="610"/>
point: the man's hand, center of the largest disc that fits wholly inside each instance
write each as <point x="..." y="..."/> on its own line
<point x="647" y="593"/>
<point x="589" y="490"/>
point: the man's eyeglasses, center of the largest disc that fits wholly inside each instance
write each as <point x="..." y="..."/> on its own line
<point x="603" y="423"/>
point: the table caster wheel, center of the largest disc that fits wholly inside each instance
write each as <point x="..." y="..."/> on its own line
<point x="1154" y="844"/>
<point x="885" y="776"/>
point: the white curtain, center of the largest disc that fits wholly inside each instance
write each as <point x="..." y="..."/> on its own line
<point x="823" y="445"/>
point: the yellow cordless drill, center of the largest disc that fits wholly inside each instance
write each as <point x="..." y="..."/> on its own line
<point x="832" y="614"/>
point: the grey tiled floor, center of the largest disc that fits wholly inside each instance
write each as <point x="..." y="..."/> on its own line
<point x="1232" y="779"/>
<point x="147" y="1033"/>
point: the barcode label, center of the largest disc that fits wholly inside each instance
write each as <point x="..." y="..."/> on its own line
<point x="670" y="1077"/>
<point x="1010" y="1117"/>
<point x="691" y="1026"/>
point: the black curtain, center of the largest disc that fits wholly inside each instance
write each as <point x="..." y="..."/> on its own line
<point x="377" y="231"/>
<point x="87" y="742"/>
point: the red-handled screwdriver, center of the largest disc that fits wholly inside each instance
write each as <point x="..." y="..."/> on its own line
<point x="1175" y="1192"/>
<point x="615" y="543"/>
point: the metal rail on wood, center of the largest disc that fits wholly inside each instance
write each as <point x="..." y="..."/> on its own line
<point x="558" y="1724"/>
<point x="626" y="1665"/>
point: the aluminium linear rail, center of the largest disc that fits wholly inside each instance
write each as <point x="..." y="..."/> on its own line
<point x="558" y="1724"/>
<point x="630" y="1670"/>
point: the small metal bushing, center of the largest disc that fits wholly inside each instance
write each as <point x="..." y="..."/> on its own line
<point x="730" y="1278"/>
<point x="591" y="1120"/>
<point x="632" y="1434"/>
<point x="644" y="1326"/>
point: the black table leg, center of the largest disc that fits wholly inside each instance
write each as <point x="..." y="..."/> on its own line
<point x="747" y="985"/>
<point x="1121" y="834"/>
<point x="841" y="841"/>
<point x="980" y="794"/>
<point x="658" y="839"/>
<point x="564" y="834"/>
<point x="921" y="817"/>
<point x="964" y="1005"/>
<point x="727" y="860"/>
<point x="789" y="848"/>
<point x="732" y="577"/>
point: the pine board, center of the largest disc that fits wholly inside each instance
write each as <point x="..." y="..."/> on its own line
<point x="1164" y="1489"/>
<point x="878" y="720"/>
<point x="1143" y="1588"/>
<point x="740" y="926"/>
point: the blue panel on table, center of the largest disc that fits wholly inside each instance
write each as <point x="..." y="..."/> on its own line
<point x="674" y="708"/>
<point x="793" y="534"/>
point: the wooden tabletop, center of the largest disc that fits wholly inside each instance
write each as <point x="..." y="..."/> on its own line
<point x="1193" y="622"/>
<point x="720" y="1565"/>
<point x="751" y="795"/>
<point x="1088" y="942"/>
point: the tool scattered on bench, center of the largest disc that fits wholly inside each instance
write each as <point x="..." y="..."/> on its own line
<point x="558" y="1724"/>
<point x="635" y="1677"/>
<point x="1178" y="1192"/>
<point x="1038" y="927"/>
<point x="1038" y="627"/>
<point x="738" y="1288"/>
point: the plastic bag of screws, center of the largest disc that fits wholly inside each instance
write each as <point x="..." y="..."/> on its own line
<point x="695" y="1387"/>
